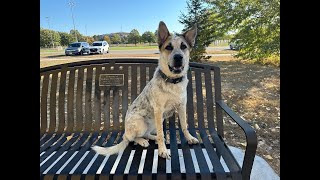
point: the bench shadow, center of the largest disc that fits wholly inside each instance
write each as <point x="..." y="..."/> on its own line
<point x="249" y="86"/>
<point x="55" y="56"/>
<point x="62" y="55"/>
<point x="243" y="77"/>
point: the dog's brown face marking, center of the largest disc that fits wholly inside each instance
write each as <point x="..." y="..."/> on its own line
<point x="175" y="50"/>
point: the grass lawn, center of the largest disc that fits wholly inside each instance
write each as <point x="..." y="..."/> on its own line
<point x="132" y="47"/>
<point x="219" y="45"/>
<point x="50" y="50"/>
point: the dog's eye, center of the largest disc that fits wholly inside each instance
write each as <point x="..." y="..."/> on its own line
<point x="183" y="46"/>
<point x="169" y="47"/>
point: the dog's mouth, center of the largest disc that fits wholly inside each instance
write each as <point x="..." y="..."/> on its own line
<point x="176" y="69"/>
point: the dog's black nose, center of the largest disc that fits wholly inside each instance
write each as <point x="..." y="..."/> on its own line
<point x="177" y="57"/>
<point x="177" y="60"/>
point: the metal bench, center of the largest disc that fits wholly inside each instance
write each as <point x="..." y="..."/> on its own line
<point x="84" y="104"/>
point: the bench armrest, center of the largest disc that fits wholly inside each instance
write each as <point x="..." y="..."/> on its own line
<point x="251" y="139"/>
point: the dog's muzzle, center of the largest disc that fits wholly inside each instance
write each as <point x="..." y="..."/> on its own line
<point x="177" y="64"/>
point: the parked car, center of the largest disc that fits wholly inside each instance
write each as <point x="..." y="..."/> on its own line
<point x="234" y="45"/>
<point x="99" y="47"/>
<point x="77" y="48"/>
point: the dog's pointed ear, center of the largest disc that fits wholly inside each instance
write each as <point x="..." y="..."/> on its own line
<point x="190" y="35"/>
<point x="163" y="33"/>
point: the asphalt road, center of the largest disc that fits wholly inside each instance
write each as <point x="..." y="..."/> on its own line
<point x="153" y="51"/>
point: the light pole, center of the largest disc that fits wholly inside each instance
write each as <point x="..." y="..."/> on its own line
<point x="86" y="30"/>
<point x="72" y="4"/>
<point x="48" y="20"/>
<point x="86" y="33"/>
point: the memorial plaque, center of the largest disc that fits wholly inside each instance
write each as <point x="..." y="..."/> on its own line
<point x="111" y="80"/>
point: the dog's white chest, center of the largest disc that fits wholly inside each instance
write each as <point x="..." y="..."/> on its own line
<point x="173" y="100"/>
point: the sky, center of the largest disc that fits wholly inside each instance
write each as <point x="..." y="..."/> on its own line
<point x="95" y="17"/>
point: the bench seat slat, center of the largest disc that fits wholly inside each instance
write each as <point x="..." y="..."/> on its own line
<point x="81" y="151"/>
<point x="99" y="160"/>
<point x="53" y="147"/>
<point x="59" y="151"/>
<point x="190" y="171"/>
<point x="119" y="173"/>
<point x="109" y="164"/>
<point x="217" y="167"/>
<point x="63" y="149"/>
<point x="67" y="151"/>
<point x="79" y="141"/>
<point x="50" y="142"/>
<point x="175" y="165"/>
<point x="86" y="161"/>
<point x="46" y="138"/>
<point x="227" y="155"/>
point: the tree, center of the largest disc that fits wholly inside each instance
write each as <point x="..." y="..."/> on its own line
<point x="89" y="39"/>
<point x="134" y="37"/>
<point x="65" y="38"/>
<point x="47" y="37"/>
<point x="107" y="38"/>
<point x="156" y="35"/>
<point x="148" y="37"/>
<point x="96" y="38"/>
<point x="115" y="39"/>
<point x="257" y="26"/>
<point x="124" y="39"/>
<point x="209" y="27"/>
<point x="56" y="38"/>
<point x="74" y="33"/>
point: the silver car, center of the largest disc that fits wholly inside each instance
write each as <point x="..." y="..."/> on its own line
<point x="77" y="48"/>
<point x="235" y="45"/>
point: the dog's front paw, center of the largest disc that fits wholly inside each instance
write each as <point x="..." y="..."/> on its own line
<point x="192" y="140"/>
<point x="164" y="153"/>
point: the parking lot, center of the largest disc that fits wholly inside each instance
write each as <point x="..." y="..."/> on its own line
<point x="50" y="57"/>
<point x="143" y="53"/>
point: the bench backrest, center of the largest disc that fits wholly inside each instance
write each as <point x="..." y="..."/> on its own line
<point x="94" y="95"/>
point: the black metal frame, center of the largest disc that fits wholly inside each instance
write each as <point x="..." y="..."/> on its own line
<point x="52" y="140"/>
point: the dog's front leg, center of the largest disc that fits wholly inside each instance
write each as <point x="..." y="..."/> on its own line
<point x="183" y="121"/>
<point x="160" y="136"/>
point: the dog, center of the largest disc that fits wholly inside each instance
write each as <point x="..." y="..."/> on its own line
<point x="165" y="93"/>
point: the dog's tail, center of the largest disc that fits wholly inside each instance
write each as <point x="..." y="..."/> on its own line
<point x="113" y="149"/>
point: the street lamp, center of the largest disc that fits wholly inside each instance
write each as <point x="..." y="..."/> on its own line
<point x="48" y="20"/>
<point x="72" y="4"/>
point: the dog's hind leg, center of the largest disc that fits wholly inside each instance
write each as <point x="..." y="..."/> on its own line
<point x="154" y="132"/>
<point x="135" y="127"/>
<point x="142" y="141"/>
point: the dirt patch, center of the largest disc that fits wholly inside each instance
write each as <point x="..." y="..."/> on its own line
<point x="253" y="92"/>
<point x="224" y="51"/>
